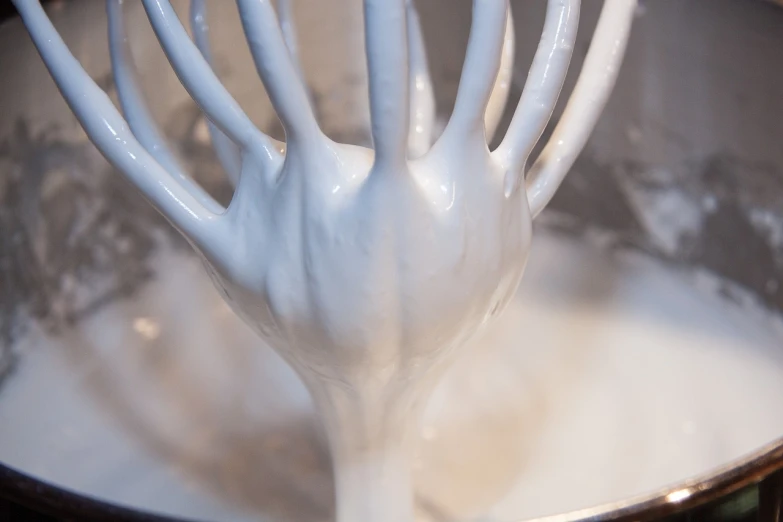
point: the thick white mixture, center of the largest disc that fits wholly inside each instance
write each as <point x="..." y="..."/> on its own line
<point x="604" y="379"/>
<point x="366" y="270"/>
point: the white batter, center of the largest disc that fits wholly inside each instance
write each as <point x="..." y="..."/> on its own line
<point x="604" y="379"/>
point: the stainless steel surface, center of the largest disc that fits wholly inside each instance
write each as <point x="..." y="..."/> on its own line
<point x="697" y="112"/>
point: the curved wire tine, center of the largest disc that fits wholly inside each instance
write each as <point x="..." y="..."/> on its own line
<point x="288" y="28"/>
<point x="276" y="69"/>
<point x="542" y="89"/>
<point x="421" y="92"/>
<point x="386" y="43"/>
<point x="201" y="82"/>
<point x="135" y="109"/>
<point x="110" y="133"/>
<point x="595" y="83"/>
<point x="499" y="97"/>
<point x="227" y="151"/>
<point x="482" y="63"/>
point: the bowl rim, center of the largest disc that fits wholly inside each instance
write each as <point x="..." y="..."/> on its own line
<point x="696" y="492"/>
<point x="44" y="497"/>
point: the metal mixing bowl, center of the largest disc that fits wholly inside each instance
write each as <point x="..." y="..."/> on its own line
<point x="698" y="109"/>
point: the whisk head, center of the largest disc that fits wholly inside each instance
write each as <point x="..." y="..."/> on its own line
<point x="364" y="268"/>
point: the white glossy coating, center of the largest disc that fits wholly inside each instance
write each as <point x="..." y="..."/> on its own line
<point x="422" y="96"/>
<point x="227" y="151"/>
<point x="287" y="26"/>
<point x="497" y="102"/>
<point x="542" y="88"/>
<point x="135" y="109"/>
<point x="592" y="90"/>
<point x="479" y="73"/>
<point x="365" y="269"/>
<point x="278" y="72"/>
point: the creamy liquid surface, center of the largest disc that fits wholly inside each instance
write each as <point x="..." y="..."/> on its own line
<point x="604" y="378"/>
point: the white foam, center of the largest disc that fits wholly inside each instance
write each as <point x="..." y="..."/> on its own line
<point x="605" y="378"/>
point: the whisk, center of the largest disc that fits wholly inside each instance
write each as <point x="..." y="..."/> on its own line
<point x="366" y="269"/>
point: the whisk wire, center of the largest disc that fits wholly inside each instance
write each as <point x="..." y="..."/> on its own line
<point x="227" y="152"/>
<point x="592" y="90"/>
<point x="542" y="89"/>
<point x="135" y="109"/>
<point x="201" y="82"/>
<point x="480" y="70"/>
<point x="111" y="134"/>
<point x="386" y="42"/>
<point x="277" y="71"/>
<point x="422" y="96"/>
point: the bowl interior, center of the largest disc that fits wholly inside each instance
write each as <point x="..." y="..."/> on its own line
<point x="680" y="187"/>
